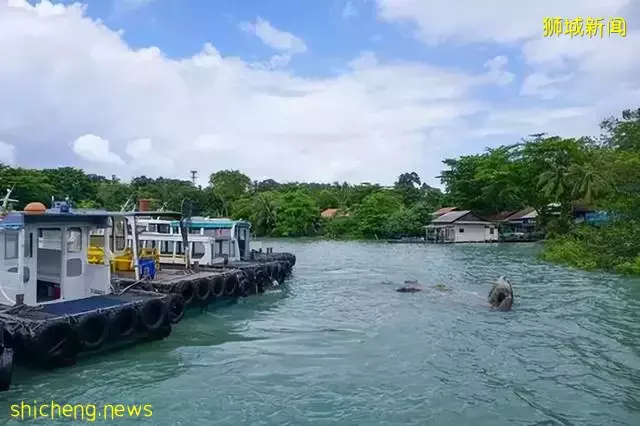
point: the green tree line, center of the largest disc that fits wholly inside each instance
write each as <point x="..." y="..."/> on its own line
<point x="549" y="173"/>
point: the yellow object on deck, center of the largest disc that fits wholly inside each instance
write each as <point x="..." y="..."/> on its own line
<point x="122" y="262"/>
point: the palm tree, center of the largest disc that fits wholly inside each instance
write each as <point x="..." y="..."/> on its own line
<point x="265" y="214"/>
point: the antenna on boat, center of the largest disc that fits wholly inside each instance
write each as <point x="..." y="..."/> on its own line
<point x="126" y="206"/>
<point x="187" y="209"/>
<point x="6" y="200"/>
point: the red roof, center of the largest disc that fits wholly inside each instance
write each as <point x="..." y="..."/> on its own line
<point x="442" y="211"/>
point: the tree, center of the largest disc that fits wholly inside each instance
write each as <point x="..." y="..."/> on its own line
<point x="229" y="185"/>
<point x="374" y="212"/>
<point x="297" y="215"/>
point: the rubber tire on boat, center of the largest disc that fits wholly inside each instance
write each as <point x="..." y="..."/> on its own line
<point x="161" y="333"/>
<point x="230" y="284"/>
<point x="124" y="323"/>
<point x="176" y="308"/>
<point x="217" y="286"/>
<point x="203" y="290"/>
<point x="93" y="331"/>
<point x="188" y="292"/>
<point x="6" y="368"/>
<point x="283" y="272"/>
<point x="243" y="286"/>
<point x="56" y="344"/>
<point x="153" y="315"/>
<point x="251" y="274"/>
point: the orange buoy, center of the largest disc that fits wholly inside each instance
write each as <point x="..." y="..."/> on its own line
<point x="35" y="207"/>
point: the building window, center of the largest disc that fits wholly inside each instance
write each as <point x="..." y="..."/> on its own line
<point x="460" y="229"/>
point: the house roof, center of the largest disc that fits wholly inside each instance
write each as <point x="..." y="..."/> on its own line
<point x="329" y="213"/>
<point x="443" y="210"/>
<point x="526" y="213"/>
<point x="455" y="216"/>
<point x="503" y="215"/>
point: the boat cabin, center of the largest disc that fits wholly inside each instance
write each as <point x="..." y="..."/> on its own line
<point x="43" y="256"/>
<point x="210" y="238"/>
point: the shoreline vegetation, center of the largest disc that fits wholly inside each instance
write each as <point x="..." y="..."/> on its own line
<point x="602" y="172"/>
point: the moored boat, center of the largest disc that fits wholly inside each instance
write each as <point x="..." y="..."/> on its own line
<point x="54" y="304"/>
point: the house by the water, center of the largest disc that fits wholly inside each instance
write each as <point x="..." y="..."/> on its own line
<point x="463" y="226"/>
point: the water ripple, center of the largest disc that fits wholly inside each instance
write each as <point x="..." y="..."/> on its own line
<point x="340" y="346"/>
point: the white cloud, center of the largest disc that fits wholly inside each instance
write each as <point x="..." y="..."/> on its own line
<point x="543" y="86"/>
<point x="74" y="91"/>
<point x="94" y="148"/>
<point x="68" y="78"/>
<point x="7" y="153"/>
<point x="274" y="38"/>
<point x="497" y="70"/>
<point x="598" y="75"/>
<point x="286" y="43"/>
<point x="502" y="21"/>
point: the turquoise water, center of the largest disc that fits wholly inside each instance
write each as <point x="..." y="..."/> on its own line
<point x="340" y="346"/>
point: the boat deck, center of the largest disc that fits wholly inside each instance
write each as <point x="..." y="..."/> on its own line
<point x="77" y="307"/>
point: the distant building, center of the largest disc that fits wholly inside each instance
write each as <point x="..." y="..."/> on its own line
<point x="331" y="213"/>
<point x="523" y="221"/>
<point x="460" y="227"/>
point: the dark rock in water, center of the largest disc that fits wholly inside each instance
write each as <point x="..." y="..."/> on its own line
<point x="408" y="289"/>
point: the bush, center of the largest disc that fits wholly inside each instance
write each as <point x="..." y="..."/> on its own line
<point x="613" y="247"/>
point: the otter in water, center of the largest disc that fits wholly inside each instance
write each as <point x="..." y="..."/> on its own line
<point x="501" y="294"/>
<point x="410" y="286"/>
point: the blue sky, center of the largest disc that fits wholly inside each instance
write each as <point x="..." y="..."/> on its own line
<point x="356" y="90"/>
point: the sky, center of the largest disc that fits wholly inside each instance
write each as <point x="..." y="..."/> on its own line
<point x="315" y="90"/>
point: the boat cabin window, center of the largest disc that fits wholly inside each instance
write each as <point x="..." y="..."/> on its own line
<point x="119" y="233"/>
<point x="11" y="245"/>
<point x="49" y="265"/>
<point x="152" y="227"/>
<point x="74" y="240"/>
<point x="163" y="228"/>
<point x="197" y="249"/>
<point x="28" y="245"/>
<point x="176" y="230"/>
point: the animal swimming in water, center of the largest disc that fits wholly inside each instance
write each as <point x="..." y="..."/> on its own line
<point x="501" y="294"/>
<point x="410" y="286"/>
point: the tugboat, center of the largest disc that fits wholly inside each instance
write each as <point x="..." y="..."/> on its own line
<point x="56" y="306"/>
<point x="203" y="259"/>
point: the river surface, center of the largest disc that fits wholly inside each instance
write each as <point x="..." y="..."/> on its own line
<point x="339" y="346"/>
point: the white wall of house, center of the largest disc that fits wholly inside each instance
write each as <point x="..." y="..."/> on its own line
<point x="470" y="233"/>
<point x="491" y="233"/>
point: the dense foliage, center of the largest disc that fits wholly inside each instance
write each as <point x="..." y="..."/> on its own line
<point x="275" y="209"/>
<point x="554" y="175"/>
<point x="549" y="173"/>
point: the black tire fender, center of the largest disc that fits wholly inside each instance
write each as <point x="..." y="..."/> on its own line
<point x="230" y="284"/>
<point x="203" y="290"/>
<point x="93" y="331"/>
<point x="218" y="286"/>
<point x="57" y="343"/>
<point x="188" y="292"/>
<point x="153" y="314"/>
<point x="124" y="323"/>
<point x="176" y="308"/>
